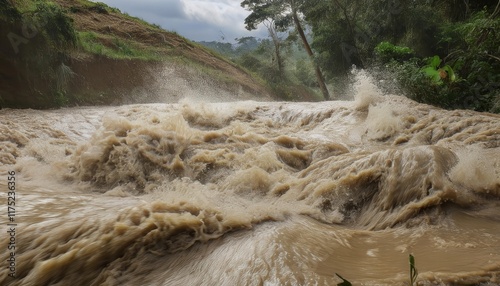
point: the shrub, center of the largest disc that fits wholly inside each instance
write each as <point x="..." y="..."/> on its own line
<point x="419" y="86"/>
<point x="75" y="9"/>
<point x="386" y="52"/>
<point x="55" y="25"/>
<point x="437" y="74"/>
<point x="100" y="8"/>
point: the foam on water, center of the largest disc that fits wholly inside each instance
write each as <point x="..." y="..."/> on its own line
<point x="252" y="193"/>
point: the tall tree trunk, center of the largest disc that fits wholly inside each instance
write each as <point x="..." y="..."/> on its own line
<point x="277" y="47"/>
<point x="319" y="74"/>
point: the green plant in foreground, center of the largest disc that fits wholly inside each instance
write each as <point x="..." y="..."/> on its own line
<point x="413" y="271"/>
<point x="344" y="282"/>
<point x="55" y="24"/>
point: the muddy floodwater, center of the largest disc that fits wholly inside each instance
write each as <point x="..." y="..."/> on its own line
<point x="251" y="193"/>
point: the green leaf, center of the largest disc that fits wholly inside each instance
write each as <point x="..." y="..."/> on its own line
<point x="344" y="282"/>
<point x="413" y="271"/>
<point x="432" y="73"/>
<point x="434" y="62"/>
<point x="451" y="73"/>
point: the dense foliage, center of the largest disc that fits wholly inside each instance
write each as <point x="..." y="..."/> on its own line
<point x="468" y="73"/>
<point x="444" y="53"/>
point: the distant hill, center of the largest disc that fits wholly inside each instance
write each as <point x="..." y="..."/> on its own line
<point x="242" y="46"/>
<point x="77" y="52"/>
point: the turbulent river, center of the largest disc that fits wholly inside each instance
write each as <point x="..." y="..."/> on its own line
<point x="251" y="193"/>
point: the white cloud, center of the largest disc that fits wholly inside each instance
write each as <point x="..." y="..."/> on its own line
<point x="214" y="12"/>
<point x="198" y="20"/>
<point x="227" y="16"/>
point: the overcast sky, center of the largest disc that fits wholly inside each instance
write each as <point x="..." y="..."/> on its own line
<point x="198" y="20"/>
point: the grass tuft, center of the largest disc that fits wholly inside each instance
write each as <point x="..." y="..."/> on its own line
<point x="413" y="271"/>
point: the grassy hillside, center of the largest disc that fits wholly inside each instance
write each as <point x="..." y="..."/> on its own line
<point x="76" y="52"/>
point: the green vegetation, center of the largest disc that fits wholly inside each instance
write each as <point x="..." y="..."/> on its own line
<point x="436" y="74"/>
<point x="280" y="16"/>
<point x="295" y="80"/>
<point x="57" y="28"/>
<point x="8" y="12"/>
<point x="386" y="51"/>
<point x="444" y="53"/>
<point x="234" y="51"/>
<point x="467" y="75"/>
<point x="413" y="271"/>
<point x="117" y="48"/>
<point x="97" y="7"/>
<point x="282" y="60"/>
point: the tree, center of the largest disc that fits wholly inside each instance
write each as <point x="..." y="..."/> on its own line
<point x="282" y="14"/>
<point x="246" y="44"/>
<point x="347" y="31"/>
<point x="277" y="41"/>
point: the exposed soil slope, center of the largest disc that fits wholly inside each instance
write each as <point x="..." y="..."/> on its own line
<point x="98" y="78"/>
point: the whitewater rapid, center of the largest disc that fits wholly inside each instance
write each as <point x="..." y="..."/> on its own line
<point x="253" y="193"/>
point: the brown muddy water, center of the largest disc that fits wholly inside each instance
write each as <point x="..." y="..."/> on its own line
<point x="251" y="193"/>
